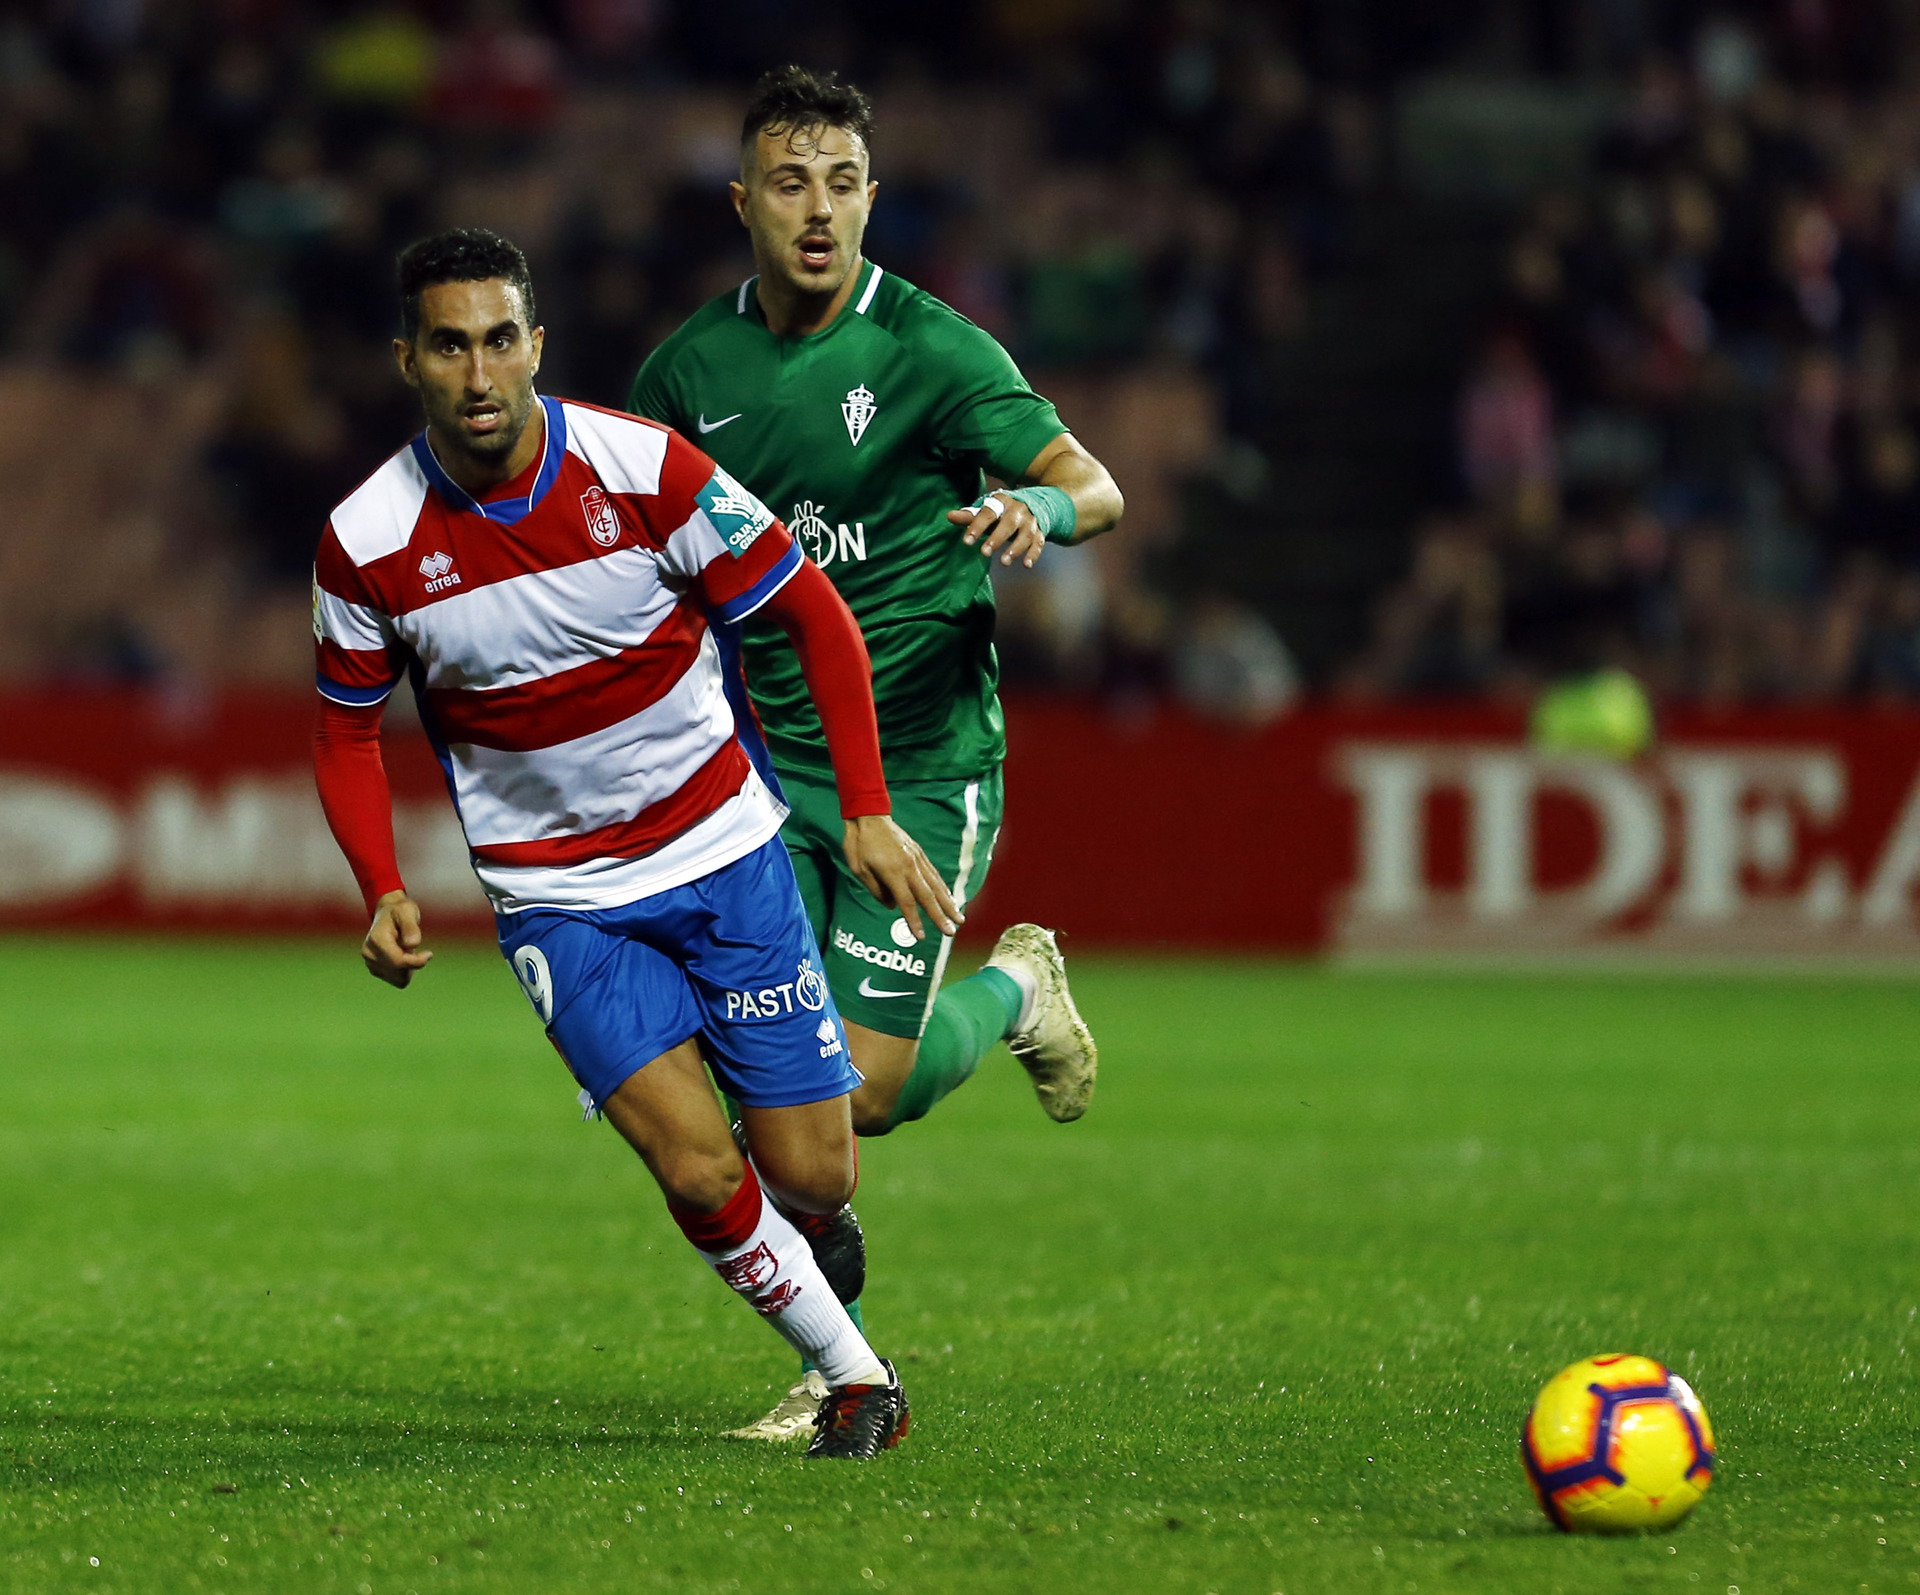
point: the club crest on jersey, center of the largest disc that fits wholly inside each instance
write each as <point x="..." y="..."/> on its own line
<point x="438" y="569"/>
<point x="603" y="526"/>
<point x="857" y="410"/>
<point x="736" y="514"/>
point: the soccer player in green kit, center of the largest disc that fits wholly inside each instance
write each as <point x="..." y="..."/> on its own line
<point x="867" y="413"/>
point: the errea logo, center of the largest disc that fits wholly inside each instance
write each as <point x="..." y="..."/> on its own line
<point x="438" y="569"/>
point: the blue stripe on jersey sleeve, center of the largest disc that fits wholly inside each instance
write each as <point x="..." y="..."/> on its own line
<point x="784" y="570"/>
<point x="353" y="697"/>
<point x="746" y="724"/>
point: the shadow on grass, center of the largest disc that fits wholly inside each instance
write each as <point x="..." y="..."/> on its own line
<point x="1535" y="1529"/>
<point x="82" y="1448"/>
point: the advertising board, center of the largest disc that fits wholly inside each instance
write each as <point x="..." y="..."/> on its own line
<point x="1354" y="831"/>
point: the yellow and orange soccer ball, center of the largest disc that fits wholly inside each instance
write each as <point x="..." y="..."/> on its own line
<point x="1617" y="1443"/>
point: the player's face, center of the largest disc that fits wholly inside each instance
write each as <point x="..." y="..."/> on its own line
<point x="804" y="196"/>
<point x="474" y="360"/>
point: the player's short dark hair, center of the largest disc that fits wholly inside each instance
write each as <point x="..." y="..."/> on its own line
<point x="790" y="98"/>
<point x="465" y="254"/>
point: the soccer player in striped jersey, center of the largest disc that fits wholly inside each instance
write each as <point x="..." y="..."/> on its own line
<point x="563" y="585"/>
<point x="870" y="412"/>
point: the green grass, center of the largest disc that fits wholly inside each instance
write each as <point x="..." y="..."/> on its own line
<point x="309" y="1285"/>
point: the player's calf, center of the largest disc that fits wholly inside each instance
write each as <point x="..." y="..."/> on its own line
<point x="804" y="1154"/>
<point x="751" y="1246"/>
<point x="886" y="1063"/>
<point x="838" y="1243"/>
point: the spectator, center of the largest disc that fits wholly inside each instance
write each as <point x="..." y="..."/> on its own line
<point x="1507" y="448"/>
<point x="1684" y="439"/>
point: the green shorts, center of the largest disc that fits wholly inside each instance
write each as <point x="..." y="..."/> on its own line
<point x="881" y="977"/>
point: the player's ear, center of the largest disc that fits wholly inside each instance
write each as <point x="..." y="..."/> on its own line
<point x="738" y="191"/>
<point x="539" y="341"/>
<point x="403" y="358"/>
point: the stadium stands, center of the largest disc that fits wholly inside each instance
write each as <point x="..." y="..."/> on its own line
<point x="1443" y="349"/>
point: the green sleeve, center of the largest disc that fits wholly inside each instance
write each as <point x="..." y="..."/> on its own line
<point x="988" y="413"/>
<point x="652" y="394"/>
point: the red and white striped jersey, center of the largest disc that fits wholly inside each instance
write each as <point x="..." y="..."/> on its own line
<point x="570" y="645"/>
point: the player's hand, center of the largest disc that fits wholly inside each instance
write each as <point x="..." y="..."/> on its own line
<point x="392" y="950"/>
<point x="891" y="866"/>
<point x="1003" y="525"/>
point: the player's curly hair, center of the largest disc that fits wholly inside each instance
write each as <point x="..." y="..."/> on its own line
<point x="791" y="97"/>
<point x="465" y="254"/>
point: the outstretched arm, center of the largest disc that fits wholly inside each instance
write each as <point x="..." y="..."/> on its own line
<point x="833" y="658"/>
<point x="353" y="792"/>
<point x="1016" y="529"/>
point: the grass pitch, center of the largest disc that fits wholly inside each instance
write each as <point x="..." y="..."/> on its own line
<point x="310" y="1285"/>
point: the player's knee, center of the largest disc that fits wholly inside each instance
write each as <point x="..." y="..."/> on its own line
<point x="821" y="1184"/>
<point x="700" y="1180"/>
<point x="872" y="1110"/>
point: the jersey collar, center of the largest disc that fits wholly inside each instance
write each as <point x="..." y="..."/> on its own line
<point x="505" y="511"/>
<point x="747" y="303"/>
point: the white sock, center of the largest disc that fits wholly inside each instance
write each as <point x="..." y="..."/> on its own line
<point x="775" y="1271"/>
<point x="1029" y="994"/>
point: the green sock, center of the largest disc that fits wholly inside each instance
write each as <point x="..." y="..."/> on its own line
<point x="968" y="1019"/>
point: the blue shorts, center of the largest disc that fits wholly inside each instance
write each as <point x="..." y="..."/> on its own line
<point x="729" y="958"/>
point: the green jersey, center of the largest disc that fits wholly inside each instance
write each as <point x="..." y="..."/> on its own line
<point x="862" y="436"/>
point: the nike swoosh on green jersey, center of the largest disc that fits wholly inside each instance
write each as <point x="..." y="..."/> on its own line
<point x="948" y="403"/>
<point x="714" y="426"/>
<point x="868" y="989"/>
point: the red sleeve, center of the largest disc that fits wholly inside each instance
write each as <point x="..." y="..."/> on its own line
<point x="833" y="658"/>
<point x="353" y="791"/>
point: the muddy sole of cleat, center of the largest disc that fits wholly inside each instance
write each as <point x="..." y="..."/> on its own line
<point x="1047" y="1087"/>
<point x="1064" y="1084"/>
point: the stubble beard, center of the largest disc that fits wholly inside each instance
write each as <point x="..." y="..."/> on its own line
<point x="804" y="283"/>
<point x="490" y="448"/>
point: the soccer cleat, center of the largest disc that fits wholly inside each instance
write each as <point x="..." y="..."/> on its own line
<point x="858" y="1422"/>
<point x="836" y="1240"/>
<point x="839" y="1247"/>
<point x="1056" y="1048"/>
<point x="793" y="1417"/>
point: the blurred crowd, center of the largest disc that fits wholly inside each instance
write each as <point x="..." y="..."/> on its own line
<point x="202" y="201"/>
<point x="1685" y="445"/>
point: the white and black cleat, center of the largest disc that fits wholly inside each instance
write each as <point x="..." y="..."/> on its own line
<point x="1055" y="1046"/>
<point x="858" y="1422"/>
